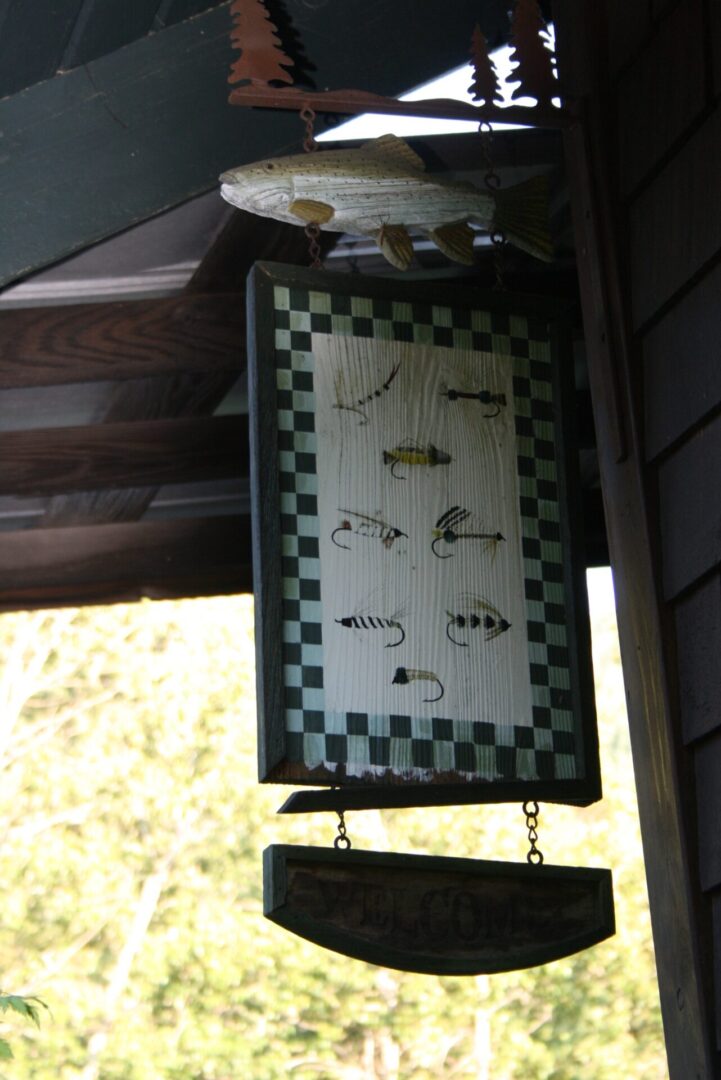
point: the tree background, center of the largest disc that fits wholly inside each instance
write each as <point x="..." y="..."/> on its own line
<point x="132" y="830"/>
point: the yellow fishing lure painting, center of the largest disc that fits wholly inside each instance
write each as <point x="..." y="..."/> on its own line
<point x="380" y="190"/>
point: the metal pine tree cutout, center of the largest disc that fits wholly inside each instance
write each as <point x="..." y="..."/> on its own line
<point x="534" y="60"/>
<point x="263" y="63"/>
<point x="262" y="59"/>
<point x="484" y="88"/>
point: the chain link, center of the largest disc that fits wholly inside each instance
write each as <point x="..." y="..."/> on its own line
<point x="312" y="230"/>
<point x="531" y="810"/>
<point x="493" y="182"/>
<point x="342" y="840"/>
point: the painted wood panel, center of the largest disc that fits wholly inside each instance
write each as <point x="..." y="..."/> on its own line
<point x="112" y="563"/>
<point x="106" y="25"/>
<point x="707" y="759"/>
<point x="628" y="28"/>
<point x="32" y="40"/>
<point x="125" y="340"/>
<point x="673" y="64"/>
<point x="117" y="455"/>
<point x="698" y="638"/>
<point x="670" y="241"/>
<point x="682" y="365"/>
<point x="689" y="483"/>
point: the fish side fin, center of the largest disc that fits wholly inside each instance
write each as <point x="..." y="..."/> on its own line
<point x="455" y="241"/>
<point x="522" y="214"/>
<point x="394" y="150"/>
<point x="315" y="213"/>
<point x="396" y="245"/>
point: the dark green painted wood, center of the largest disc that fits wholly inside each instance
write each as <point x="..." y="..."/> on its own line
<point x="439" y="916"/>
<point x="265" y="523"/>
<point x="106" y="25"/>
<point x="33" y="37"/>
<point x="372" y="798"/>
<point x="95" y="150"/>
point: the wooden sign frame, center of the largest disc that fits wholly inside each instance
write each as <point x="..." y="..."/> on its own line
<point x="300" y="322"/>
<point x="436" y="915"/>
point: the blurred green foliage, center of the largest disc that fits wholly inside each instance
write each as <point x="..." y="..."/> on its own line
<point x="132" y="830"/>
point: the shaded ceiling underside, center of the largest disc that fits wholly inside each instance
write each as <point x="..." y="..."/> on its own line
<point x="123" y="409"/>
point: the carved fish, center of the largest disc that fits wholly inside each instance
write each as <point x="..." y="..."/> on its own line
<point x="380" y="190"/>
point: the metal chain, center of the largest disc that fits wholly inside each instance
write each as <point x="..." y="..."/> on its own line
<point x="493" y="182"/>
<point x="531" y="810"/>
<point x="312" y="230"/>
<point x="342" y="840"/>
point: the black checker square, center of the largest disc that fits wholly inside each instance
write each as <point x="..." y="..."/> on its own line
<point x="291" y="610"/>
<point x="563" y="742"/>
<point x="524" y="427"/>
<point x="299" y="299"/>
<point x="382" y="308"/>
<point x="286" y="482"/>
<point x="483" y="342"/>
<point x="519" y="346"/>
<point x="403" y="331"/>
<point x="442" y="729"/>
<point x="312" y="676"/>
<point x="302" y="380"/>
<point x="443" y="336"/>
<point x="464" y="756"/>
<point x="547" y="490"/>
<point x="484" y="734"/>
<point x="422" y="313"/>
<point x="526" y="466"/>
<point x="422" y="753"/>
<point x="540" y="370"/>
<point x="305" y="463"/>
<point x="539" y="674"/>
<point x="545" y="764"/>
<point x="362" y="327"/>
<point x="289" y="566"/>
<point x="534" y="587"/>
<point x="289" y="524"/>
<point x="307" y="505"/>
<point x="542" y="410"/>
<point x="521" y="386"/>
<point x="309" y="589"/>
<point x="400" y="726"/>
<point x="379" y="749"/>
<point x="340" y="305"/>
<point x="560" y="698"/>
<point x="549" y="530"/>
<point x="552" y="572"/>
<point x="544" y="449"/>
<point x="292" y="653"/>
<point x="313" y="722"/>
<point x="294" y="746"/>
<point x="536" y="631"/>
<point x="356" y="723"/>
<point x="554" y="613"/>
<point x="336" y="747"/>
<point x="461" y="318"/>
<point x="311" y="633"/>
<point x="304" y="421"/>
<point x="523" y="737"/>
<point x="542" y="717"/>
<point x="282" y="319"/>
<point x="308" y="547"/>
<point x="300" y="341"/>
<point x="320" y="324"/>
<point x="293" y="697"/>
<point x="506" y="762"/>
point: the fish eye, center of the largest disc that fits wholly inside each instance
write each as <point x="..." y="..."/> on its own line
<point x="269" y="165"/>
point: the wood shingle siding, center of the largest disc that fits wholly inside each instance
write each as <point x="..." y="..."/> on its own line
<point x="682" y="365"/>
<point x="675" y="223"/>
<point x="650" y="90"/>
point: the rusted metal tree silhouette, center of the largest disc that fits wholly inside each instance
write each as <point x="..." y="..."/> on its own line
<point x="534" y="61"/>
<point x="484" y="88"/>
<point x="263" y="62"/>
<point x="262" y="59"/>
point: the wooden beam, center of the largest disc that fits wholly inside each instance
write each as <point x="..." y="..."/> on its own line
<point x="105" y="564"/>
<point x="147" y="452"/>
<point x="96" y="149"/>
<point x="123" y="340"/>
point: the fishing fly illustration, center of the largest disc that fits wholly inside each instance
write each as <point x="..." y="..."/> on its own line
<point x="478" y="613"/>
<point x="375" y="622"/>
<point x="409" y="452"/>
<point x="447" y="531"/>
<point x="486" y="397"/>
<point x="373" y="528"/>
<point x="405" y="675"/>
<point x="358" y="405"/>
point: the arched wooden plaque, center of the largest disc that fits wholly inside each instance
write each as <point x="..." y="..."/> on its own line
<point x="439" y="916"/>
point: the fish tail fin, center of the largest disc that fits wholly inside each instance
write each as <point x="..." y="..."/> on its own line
<point x="522" y="214"/>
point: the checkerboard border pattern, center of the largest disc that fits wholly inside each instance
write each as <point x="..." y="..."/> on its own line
<point x="543" y="751"/>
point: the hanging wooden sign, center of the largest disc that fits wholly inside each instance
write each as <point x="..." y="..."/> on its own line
<point x="422" y="630"/>
<point x="436" y="915"/>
